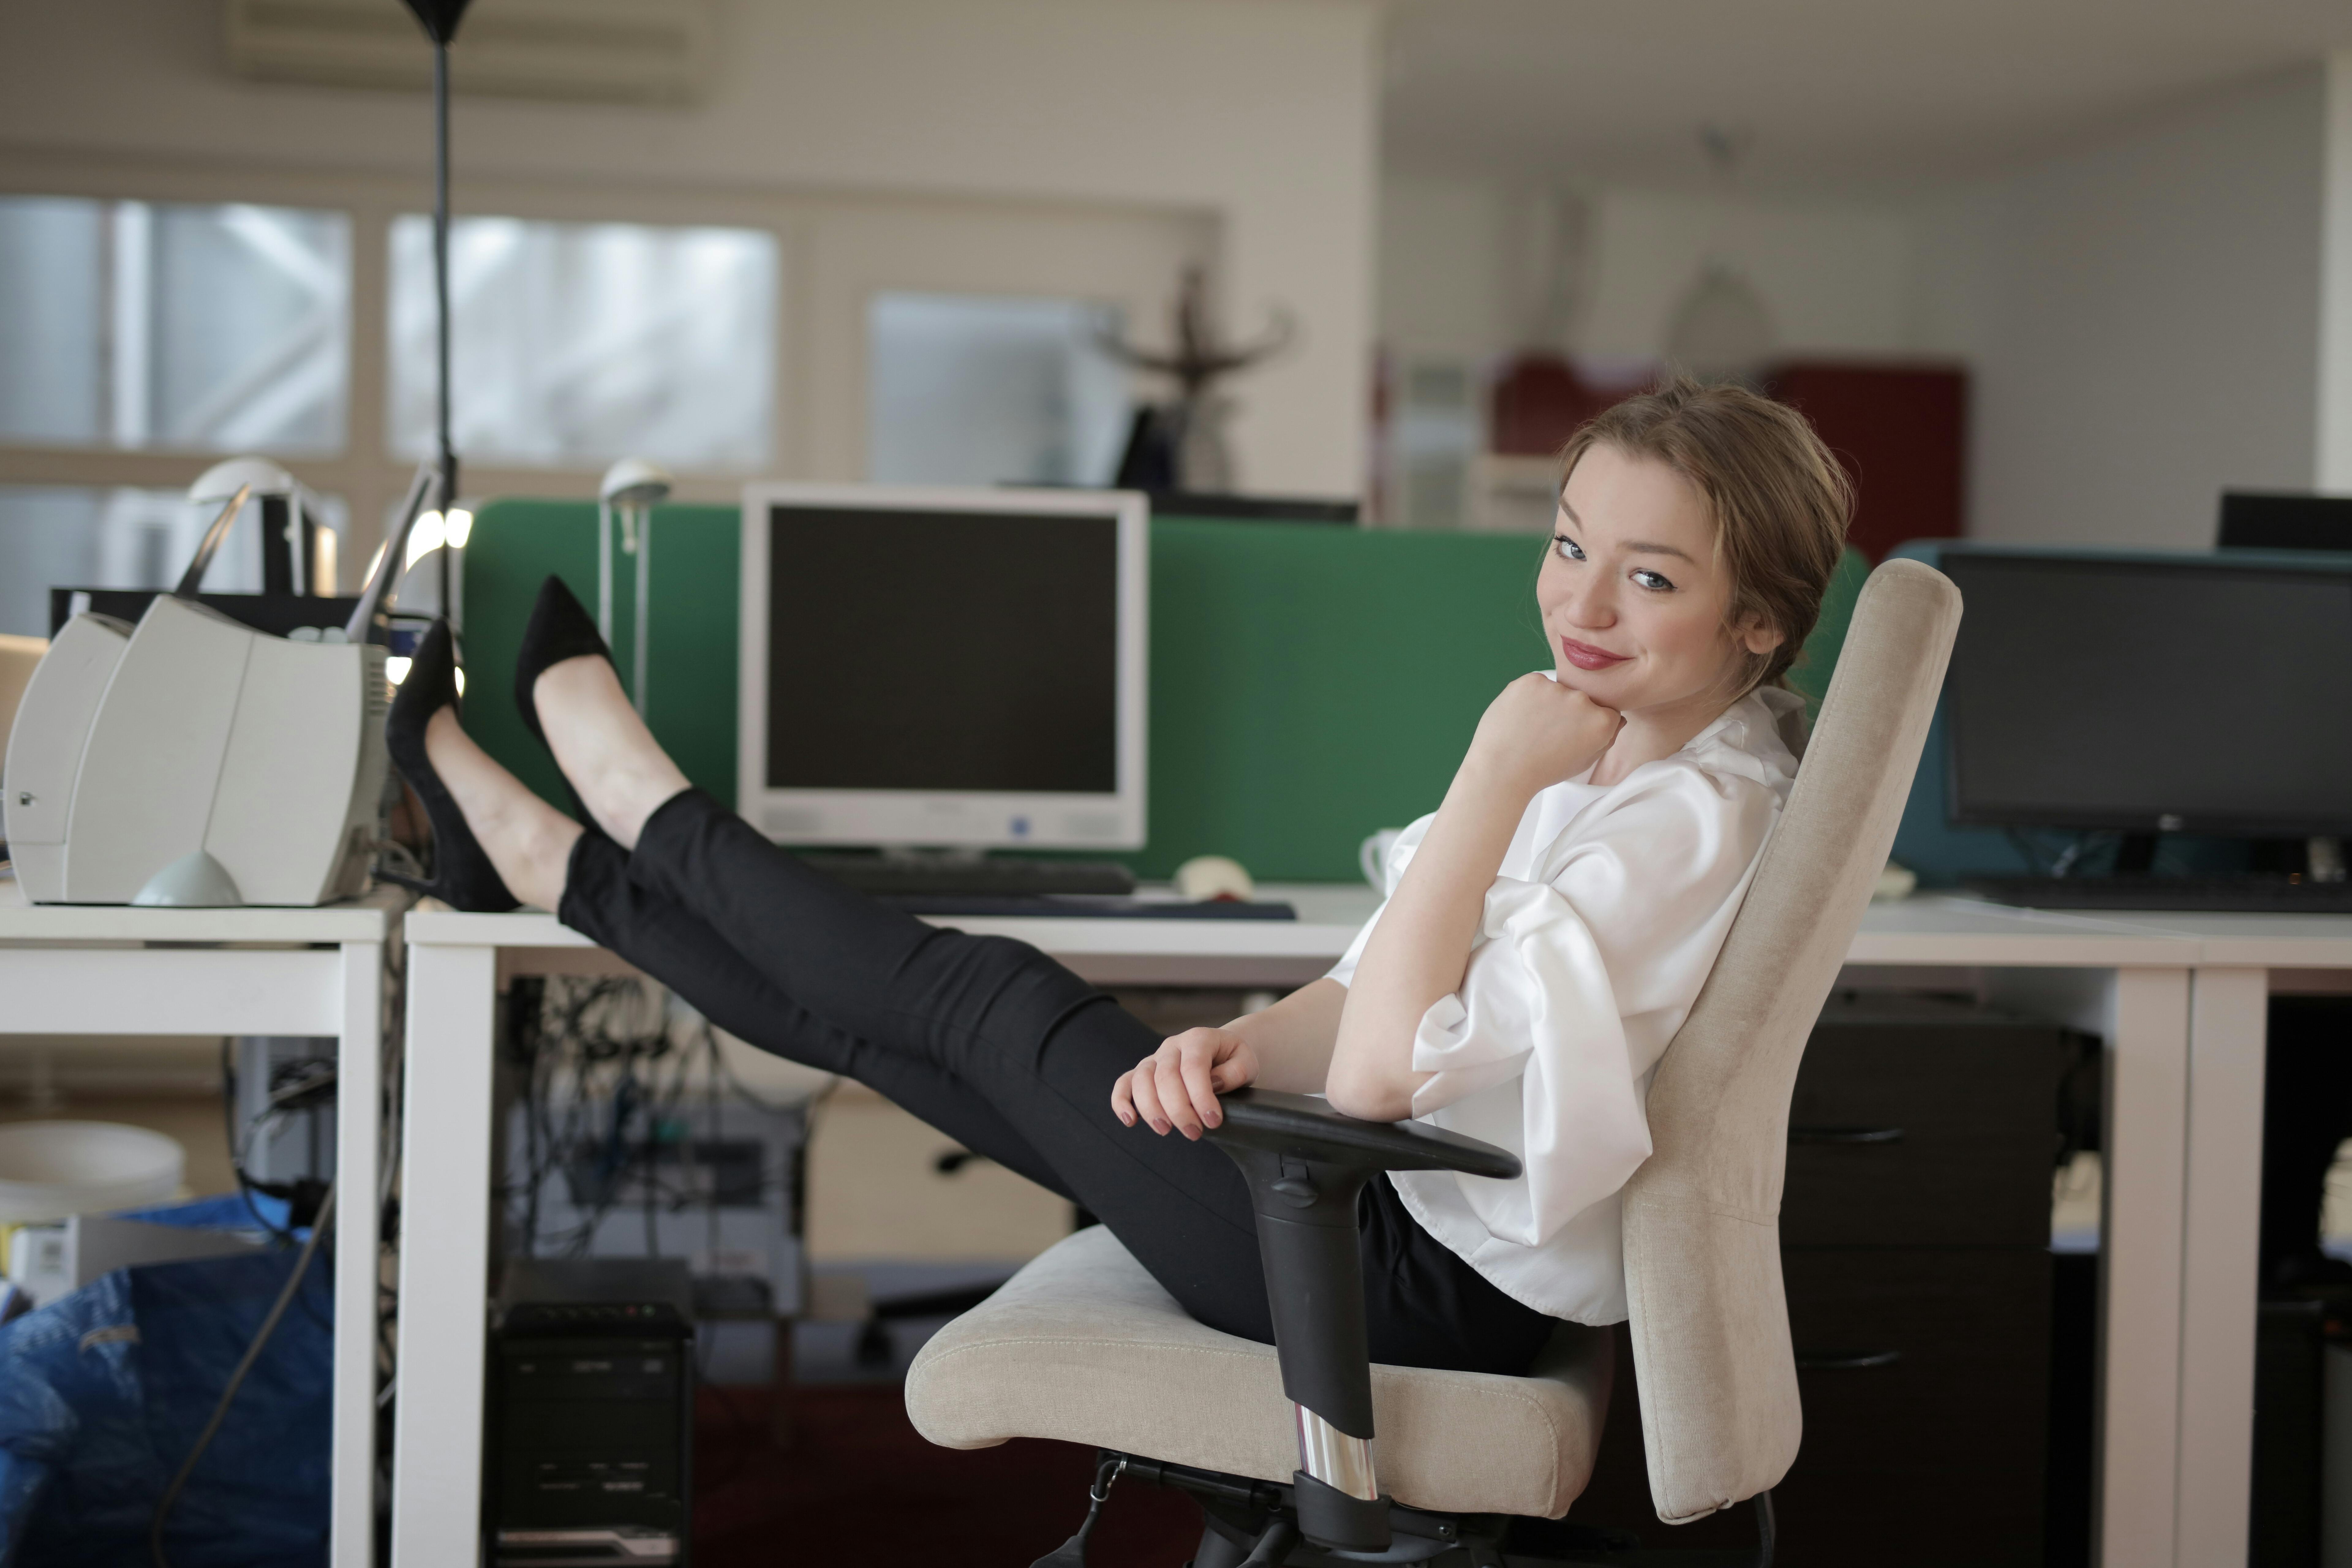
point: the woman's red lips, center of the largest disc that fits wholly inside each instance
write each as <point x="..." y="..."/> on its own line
<point x="1585" y="656"/>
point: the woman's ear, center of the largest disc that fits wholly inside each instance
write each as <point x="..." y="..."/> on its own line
<point x="1756" y="634"/>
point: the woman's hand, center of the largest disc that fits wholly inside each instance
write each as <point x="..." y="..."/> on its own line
<point x="1537" y="733"/>
<point x="1177" y="1085"/>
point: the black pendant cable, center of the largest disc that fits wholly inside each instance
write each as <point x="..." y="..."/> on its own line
<point x="437" y="476"/>
<point x="440" y="18"/>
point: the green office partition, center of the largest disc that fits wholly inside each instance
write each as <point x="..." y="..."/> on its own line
<point x="1310" y="684"/>
<point x="1810" y="674"/>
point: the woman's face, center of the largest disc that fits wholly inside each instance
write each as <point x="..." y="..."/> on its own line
<point x="1633" y="593"/>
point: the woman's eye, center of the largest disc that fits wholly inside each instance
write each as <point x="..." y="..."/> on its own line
<point x="1652" y="580"/>
<point x="1570" y="550"/>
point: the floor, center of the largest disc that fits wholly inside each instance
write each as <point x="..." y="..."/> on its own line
<point x="853" y="1482"/>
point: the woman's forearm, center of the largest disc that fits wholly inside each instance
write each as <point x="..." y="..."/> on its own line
<point x="1420" y="949"/>
<point x="1292" y="1039"/>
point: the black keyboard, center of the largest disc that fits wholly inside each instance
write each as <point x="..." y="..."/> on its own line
<point x="1063" y="906"/>
<point x="984" y="876"/>
<point x="2236" y="895"/>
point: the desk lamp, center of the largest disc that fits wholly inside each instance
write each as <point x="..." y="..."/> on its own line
<point x="632" y="488"/>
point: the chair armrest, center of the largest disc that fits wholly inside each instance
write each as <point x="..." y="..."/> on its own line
<point x="1307" y="1164"/>
<point x="1308" y="1126"/>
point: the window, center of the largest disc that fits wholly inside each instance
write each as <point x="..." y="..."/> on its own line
<point x="574" y="345"/>
<point x="977" y="389"/>
<point x="150" y="326"/>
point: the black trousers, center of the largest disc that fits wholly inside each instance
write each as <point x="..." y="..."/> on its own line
<point x="1003" y="1050"/>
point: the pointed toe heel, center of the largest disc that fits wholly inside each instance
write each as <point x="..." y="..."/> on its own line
<point x="462" y="876"/>
<point x="561" y="628"/>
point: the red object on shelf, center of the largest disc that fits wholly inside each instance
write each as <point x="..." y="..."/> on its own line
<point x="1901" y="433"/>
<point x="1537" y="402"/>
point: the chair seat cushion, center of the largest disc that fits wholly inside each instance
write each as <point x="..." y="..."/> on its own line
<point x="1084" y="1345"/>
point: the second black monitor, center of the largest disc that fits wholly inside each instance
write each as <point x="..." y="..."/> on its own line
<point x="2150" y="695"/>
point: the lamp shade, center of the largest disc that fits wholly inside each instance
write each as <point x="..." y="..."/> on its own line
<point x="440" y="17"/>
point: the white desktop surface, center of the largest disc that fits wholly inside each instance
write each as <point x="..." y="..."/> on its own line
<point x="367" y="919"/>
<point x="1121" y="950"/>
<point x="78" y="969"/>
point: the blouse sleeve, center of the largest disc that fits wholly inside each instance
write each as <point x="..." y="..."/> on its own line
<point x="1576" y="983"/>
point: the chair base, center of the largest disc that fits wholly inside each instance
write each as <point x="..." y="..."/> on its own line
<point x="1254" y="1524"/>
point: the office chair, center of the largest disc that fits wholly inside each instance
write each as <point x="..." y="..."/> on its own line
<point x="1082" y="1346"/>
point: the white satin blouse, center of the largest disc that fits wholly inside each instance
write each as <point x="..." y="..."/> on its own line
<point x="1609" y="909"/>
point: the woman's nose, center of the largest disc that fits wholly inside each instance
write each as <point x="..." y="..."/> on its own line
<point x="1590" y="604"/>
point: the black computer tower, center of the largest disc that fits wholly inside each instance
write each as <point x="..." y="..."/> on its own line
<point x="591" y="1405"/>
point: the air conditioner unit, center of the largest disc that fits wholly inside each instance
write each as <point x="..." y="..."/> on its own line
<point x="614" y="51"/>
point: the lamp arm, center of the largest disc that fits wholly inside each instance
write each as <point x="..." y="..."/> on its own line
<point x="365" y="624"/>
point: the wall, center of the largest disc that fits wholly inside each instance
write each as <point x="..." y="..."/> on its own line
<point x="1260" y="111"/>
<point x="2334" y="417"/>
<point x="2141" y="318"/>
<point x="1836" y="276"/>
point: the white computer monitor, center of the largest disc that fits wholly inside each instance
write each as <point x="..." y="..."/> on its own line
<point x="959" y="668"/>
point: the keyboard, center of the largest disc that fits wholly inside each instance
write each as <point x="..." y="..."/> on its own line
<point x="1067" y="906"/>
<point x="983" y="876"/>
<point x="2250" y="894"/>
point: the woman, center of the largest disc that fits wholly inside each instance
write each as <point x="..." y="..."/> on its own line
<point x="1547" y="929"/>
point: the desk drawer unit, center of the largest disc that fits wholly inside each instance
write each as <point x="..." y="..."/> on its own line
<point x="1922" y="1123"/>
<point x="1925" y="1376"/>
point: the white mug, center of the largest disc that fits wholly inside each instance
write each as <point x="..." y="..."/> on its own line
<point x="1372" y="856"/>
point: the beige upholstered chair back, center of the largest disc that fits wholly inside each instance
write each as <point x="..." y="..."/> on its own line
<point x="1710" y="1325"/>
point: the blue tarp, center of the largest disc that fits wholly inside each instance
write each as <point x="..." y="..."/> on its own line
<point x="103" y="1391"/>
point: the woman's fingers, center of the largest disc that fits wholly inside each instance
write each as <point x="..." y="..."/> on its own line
<point x="1176" y="1087"/>
<point x="1175" y="1093"/>
<point x="1146" y="1084"/>
<point x="1198" y="1067"/>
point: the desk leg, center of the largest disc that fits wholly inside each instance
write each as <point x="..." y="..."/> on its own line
<point x="2227" y="1028"/>
<point x="437" y="1446"/>
<point x="359" y="1101"/>
<point x="2140" y="1290"/>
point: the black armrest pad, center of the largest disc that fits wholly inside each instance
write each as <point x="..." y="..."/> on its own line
<point x="1303" y="1125"/>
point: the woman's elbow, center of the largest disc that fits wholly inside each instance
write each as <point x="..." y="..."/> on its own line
<point x="1368" y="1097"/>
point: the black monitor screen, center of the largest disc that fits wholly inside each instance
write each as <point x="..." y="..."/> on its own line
<point x="942" y="651"/>
<point x="2145" y="695"/>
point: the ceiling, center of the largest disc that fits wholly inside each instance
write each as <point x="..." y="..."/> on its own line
<point x="1827" y="93"/>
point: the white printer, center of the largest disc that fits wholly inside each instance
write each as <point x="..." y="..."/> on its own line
<point x="193" y="759"/>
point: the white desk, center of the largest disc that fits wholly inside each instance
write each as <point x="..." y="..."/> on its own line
<point x="2177" y="1001"/>
<point x="68" y="970"/>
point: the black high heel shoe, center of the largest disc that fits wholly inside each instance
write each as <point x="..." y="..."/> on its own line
<point x="561" y="628"/>
<point x="462" y="876"/>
